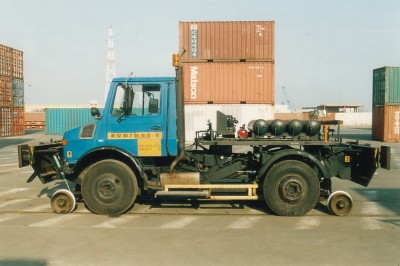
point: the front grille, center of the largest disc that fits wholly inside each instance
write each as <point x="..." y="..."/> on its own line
<point x="87" y="131"/>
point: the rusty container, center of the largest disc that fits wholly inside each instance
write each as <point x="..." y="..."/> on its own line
<point x="227" y="40"/>
<point x="34" y="120"/>
<point x="6" y="91"/>
<point x="386" y="86"/>
<point x="17" y="116"/>
<point x="5" y="122"/>
<point x="386" y="123"/>
<point x="17" y="64"/>
<point x="229" y="83"/>
<point x="6" y="60"/>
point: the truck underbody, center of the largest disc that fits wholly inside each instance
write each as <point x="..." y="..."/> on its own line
<point x="222" y="169"/>
<point x="287" y="163"/>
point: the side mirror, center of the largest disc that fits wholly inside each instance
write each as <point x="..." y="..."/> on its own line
<point x="95" y="112"/>
<point x="153" y="106"/>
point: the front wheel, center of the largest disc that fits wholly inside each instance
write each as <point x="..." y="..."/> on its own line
<point x="291" y="188"/>
<point x="109" y="187"/>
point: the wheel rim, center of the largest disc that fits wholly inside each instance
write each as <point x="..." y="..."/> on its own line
<point x="291" y="189"/>
<point x="108" y="188"/>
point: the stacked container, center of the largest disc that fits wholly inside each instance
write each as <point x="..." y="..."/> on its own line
<point x="35" y="120"/>
<point x="60" y="120"/>
<point x="11" y="92"/>
<point x="228" y="64"/>
<point x="386" y="104"/>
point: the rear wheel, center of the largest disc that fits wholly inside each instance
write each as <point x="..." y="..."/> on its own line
<point x="109" y="187"/>
<point x="291" y="188"/>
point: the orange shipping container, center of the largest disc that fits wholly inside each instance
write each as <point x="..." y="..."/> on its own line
<point x="244" y="82"/>
<point x="5" y="60"/>
<point x="386" y="123"/>
<point x="227" y="40"/>
<point x="17" y="115"/>
<point x="35" y="117"/>
<point x="17" y="64"/>
<point x="34" y="120"/>
<point x="6" y="91"/>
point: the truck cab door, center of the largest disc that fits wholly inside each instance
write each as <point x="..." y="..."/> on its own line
<point x="136" y="122"/>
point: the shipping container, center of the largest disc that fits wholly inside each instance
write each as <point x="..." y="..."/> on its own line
<point x="17" y="64"/>
<point x="5" y="122"/>
<point x="198" y="115"/>
<point x="229" y="83"/>
<point x="17" y="116"/>
<point x="34" y="120"/>
<point x="5" y="60"/>
<point x="6" y="91"/>
<point x="386" y="86"/>
<point x="291" y="116"/>
<point x="386" y="123"/>
<point x="18" y="92"/>
<point x="59" y="120"/>
<point x="227" y="40"/>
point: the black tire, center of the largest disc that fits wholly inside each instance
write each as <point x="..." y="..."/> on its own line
<point x="291" y="188"/>
<point x="109" y="187"/>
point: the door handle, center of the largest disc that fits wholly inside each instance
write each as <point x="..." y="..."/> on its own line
<point x="155" y="128"/>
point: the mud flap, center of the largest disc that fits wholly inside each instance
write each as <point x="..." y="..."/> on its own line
<point x="384" y="159"/>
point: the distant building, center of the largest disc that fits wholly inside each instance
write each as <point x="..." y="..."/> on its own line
<point x="335" y="108"/>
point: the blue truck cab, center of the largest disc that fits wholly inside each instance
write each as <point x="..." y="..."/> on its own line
<point x="139" y="119"/>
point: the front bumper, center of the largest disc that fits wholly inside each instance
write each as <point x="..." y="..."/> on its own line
<point x="44" y="159"/>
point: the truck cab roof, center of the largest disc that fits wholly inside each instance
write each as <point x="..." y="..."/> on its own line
<point x="143" y="79"/>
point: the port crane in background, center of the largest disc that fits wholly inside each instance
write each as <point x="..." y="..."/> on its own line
<point x="288" y="102"/>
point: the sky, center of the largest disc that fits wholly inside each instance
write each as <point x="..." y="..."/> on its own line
<point x="325" y="50"/>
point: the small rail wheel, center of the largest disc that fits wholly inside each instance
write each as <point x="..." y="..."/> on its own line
<point x="340" y="203"/>
<point x="63" y="201"/>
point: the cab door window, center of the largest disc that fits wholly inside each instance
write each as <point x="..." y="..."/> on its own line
<point x="137" y="100"/>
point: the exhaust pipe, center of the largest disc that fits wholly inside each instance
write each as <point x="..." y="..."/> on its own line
<point x="180" y="113"/>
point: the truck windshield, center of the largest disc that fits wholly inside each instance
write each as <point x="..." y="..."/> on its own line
<point x="136" y="100"/>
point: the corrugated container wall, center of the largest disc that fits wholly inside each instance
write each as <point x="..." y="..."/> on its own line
<point x="5" y="122"/>
<point x="11" y="91"/>
<point x="243" y="82"/>
<point x="17" y="115"/>
<point x="18" y="92"/>
<point x="6" y="91"/>
<point x="5" y="60"/>
<point x="386" y="123"/>
<point x="386" y="86"/>
<point x="11" y="62"/>
<point x="17" y="64"/>
<point x="35" y="120"/>
<point x="59" y="120"/>
<point x="227" y="40"/>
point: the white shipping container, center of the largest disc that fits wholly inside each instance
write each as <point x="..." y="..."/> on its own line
<point x="197" y="115"/>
